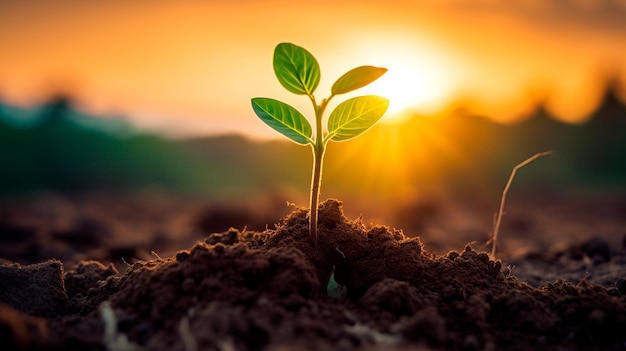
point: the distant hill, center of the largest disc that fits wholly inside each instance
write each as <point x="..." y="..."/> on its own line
<point x="54" y="147"/>
<point x="57" y="151"/>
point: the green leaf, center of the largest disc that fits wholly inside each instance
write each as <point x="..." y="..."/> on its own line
<point x="335" y="289"/>
<point x="296" y="69"/>
<point x="357" y="78"/>
<point x="283" y="118"/>
<point x="354" y="116"/>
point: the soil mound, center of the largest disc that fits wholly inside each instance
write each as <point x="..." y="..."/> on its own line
<point x="270" y="291"/>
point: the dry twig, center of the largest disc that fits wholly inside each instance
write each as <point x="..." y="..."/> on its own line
<point x="496" y="228"/>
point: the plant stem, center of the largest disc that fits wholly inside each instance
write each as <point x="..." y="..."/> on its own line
<point x="319" y="147"/>
<point x="316" y="178"/>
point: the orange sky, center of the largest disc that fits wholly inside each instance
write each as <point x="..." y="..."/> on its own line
<point x="191" y="67"/>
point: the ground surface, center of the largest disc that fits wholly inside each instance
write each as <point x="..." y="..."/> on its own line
<point x="63" y="285"/>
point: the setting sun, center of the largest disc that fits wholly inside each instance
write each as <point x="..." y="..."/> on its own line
<point x="421" y="77"/>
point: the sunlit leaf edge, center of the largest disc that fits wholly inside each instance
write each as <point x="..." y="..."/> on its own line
<point x="344" y="124"/>
<point x="357" y="78"/>
<point x="283" y="118"/>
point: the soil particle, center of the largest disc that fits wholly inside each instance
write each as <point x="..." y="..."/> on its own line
<point x="35" y="289"/>
<point x="85" y="276"/>
<point x="396" y="297"/>
<point x="267" y="291"/>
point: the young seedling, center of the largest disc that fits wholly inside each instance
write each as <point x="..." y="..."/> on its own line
<point x="298" y="71"/>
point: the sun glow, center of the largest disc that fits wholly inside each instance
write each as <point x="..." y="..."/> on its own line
<point x="421" y="78"/>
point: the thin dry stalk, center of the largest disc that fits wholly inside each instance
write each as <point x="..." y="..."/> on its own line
<point x="503" y="200"/>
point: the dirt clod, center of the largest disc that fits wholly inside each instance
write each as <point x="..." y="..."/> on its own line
<point x="36" y="289"/>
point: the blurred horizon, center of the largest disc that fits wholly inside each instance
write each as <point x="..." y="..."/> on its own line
<point x="428" y="174"/>
<point x="189" y="68"/>
<point x="56" y="146"/>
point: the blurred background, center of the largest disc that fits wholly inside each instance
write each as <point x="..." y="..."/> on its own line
<point x="132" y="120"/>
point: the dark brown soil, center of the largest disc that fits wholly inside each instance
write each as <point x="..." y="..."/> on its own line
<point x="269" y="291"/>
